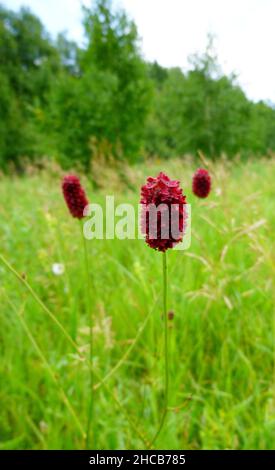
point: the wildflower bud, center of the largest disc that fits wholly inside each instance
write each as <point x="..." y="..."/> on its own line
<point x="171" y="315"/>
<point x="74" y="196"/>
<point x="164" y="214"/>
<point x="201" y="183"/>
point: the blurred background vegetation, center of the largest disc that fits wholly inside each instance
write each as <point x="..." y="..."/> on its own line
<point x="72" y="103"/>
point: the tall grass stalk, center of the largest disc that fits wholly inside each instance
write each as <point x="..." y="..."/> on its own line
<point x="123" y="359"/>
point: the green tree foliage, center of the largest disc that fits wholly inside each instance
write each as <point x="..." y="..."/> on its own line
<point x="81" y="108"/>
<point x="28" y="61"/>
<point x="110" y="97"/>
<point x="205" y="110"/>
<point x="62" y="100"/>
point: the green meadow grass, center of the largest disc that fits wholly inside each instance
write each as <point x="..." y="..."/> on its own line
<point x="222" y="374"/>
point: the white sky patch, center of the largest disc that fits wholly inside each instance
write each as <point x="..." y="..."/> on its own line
<point x="171" y="30"/>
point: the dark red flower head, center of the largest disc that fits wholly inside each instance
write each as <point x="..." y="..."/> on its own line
<point x="74" y="195"/>
<point x="201" y="183"/>
<point x="164" y="214"/>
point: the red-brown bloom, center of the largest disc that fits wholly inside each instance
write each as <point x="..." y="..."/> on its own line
<point x="201" y="183"/>
<point x="164" y="213"/>
<point x="74" y="195"/>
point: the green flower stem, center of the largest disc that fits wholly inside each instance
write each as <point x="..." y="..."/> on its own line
<point x="91" y="325"/>
<point x="166" y="354"/>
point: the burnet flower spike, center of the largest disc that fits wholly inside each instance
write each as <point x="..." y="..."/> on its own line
<point x="74" y="196"/>
<point x="163" y="193"/>
<point x="163" y="223"/>
<point x="201" y="183"/>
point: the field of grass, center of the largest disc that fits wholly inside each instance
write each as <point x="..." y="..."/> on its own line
<point x="222" y="349"/>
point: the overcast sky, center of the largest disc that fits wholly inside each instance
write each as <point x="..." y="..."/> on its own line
<point x="171" y="30"/>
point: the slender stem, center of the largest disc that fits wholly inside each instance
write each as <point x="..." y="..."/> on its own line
<point x="90" y="316"/>
<point x="123" y="359"/>
<point x="132" y="423"/>
<point x="274" y="357"/>
<point x="166" y="339"/>
<point x="166" y="353"/>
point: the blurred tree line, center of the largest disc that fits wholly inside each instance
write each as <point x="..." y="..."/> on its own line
<point x="60" y="99"/>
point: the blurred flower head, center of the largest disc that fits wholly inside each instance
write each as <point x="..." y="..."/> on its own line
<point x="58" y="269"/>
<point x="201" y="183"/>
<point x="74" y="196"/>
